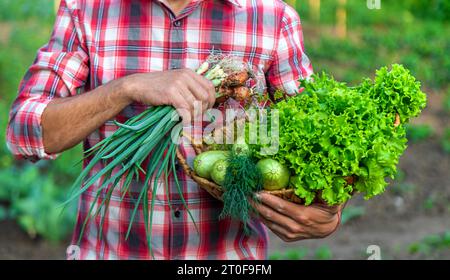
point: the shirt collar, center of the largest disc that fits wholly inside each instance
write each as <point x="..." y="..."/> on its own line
<point x="235" y="2"/>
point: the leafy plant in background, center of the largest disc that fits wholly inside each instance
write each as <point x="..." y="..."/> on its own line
<point x="433" y="243"/>
<point x="400" y="187"/>
<point x="275" y="256"/>
<point x="30" y="194"/>
<point x="403" y="188"/>
<point x="417" y="133"/>
<point x="290" y="254"/>
<point x="446" y="140"/>
<point x="11" y="10"/>
<point x="432" y="9"/>
<point x="429" y="203"/>
<point x="33" y="200"/>
<point x="352" y="212"/>
<point x="447" y="101"/>
<point x="323" y="253"/>
<point x="382" y="37"/>
<point x="296" y="254"/>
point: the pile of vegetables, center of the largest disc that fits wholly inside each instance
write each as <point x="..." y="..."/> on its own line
<point x="334" y="140"/>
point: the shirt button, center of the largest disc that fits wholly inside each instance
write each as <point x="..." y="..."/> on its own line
<point x="177" y="23"/>
<point x="177" y="213"/>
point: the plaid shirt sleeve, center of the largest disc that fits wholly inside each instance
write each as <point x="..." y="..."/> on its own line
<point x="60" y="68"/>
<point x="290" y="62"/>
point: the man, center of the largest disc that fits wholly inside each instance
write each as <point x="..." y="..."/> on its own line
<point x="109" y="59"/>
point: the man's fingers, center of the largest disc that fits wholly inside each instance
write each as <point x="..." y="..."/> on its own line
<point x="185" y="116"/>
<point x="280" y="205"/>
<point x="196" y="106"/>
<point x="291" y="220"/>
<point x="198" y="92"/>
<point x="182" y="106"/>
<point x="209" y="90"/>
<point x="283" y="233"/>
<point x="189" y="98"/>
<point x="271" y="215"/>
<point x="308" y="216"/>
<point x="330" y="209"/>
<point x="207" y="84"/>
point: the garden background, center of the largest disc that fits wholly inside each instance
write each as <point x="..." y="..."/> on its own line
<point x="347" y="38"/>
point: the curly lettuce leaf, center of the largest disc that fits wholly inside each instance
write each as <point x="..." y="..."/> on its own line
<point x="332" y="131"/>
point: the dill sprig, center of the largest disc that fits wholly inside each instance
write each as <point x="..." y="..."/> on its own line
<point x="242" y="181"/>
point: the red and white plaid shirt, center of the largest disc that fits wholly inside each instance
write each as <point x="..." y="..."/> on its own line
<point x="95" y="42"/>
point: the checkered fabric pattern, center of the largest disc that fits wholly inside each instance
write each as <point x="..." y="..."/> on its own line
<point x="95" y="42"/>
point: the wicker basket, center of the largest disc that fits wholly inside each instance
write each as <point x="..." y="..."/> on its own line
<point x="217" y="192"/>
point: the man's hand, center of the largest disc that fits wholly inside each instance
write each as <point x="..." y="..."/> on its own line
<point x="67" y="121"/>
<point x="180" y="88"/>
<point x="293" y="222"/>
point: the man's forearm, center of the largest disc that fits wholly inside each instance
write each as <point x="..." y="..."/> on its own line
<point x="68" y="121"/>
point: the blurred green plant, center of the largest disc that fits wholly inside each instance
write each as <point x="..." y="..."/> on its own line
<point x="12" y="10"/>
<point x="431" y="9"/>
<point x="30" y="193"/>
<point x="296" y="254"/>
<point x="403" y="188"/>
<point x="351" y="213"/>
<point x="429" y="203"/>
<point x="323" y="253"/>
<point x="430" y="244"/>
<point x="290" y="254"/>
<point x="399" y="186"/>
<point x="417" y="133"/>
<point x="275" y="256"/>
<point x="445" y="141"/>
<point x="381" y="37"/>
<point x="400" y="176"/>
<point x="34" y="201"/>
<point x="447" y="101"/>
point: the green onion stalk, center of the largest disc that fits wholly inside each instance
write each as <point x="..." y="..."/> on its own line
<point x="129" y="146"/>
